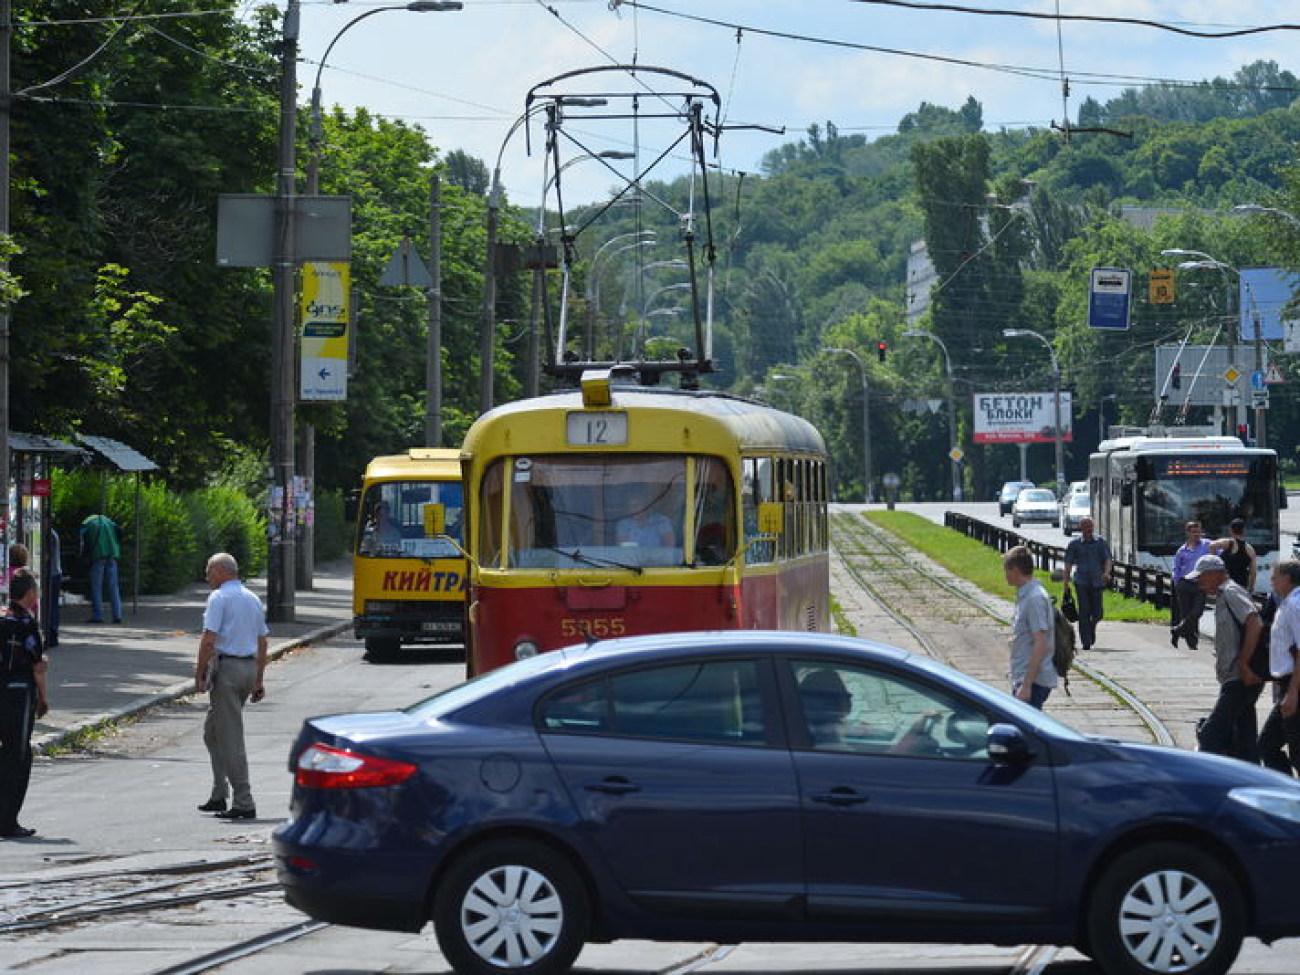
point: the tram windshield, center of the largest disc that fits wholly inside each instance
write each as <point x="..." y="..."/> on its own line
<point x="1211" y="488"/>
<point x="625" y="511"/>
<point x="411" y="519"/>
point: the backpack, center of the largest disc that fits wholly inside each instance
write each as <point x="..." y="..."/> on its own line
<point x="1065" y="646"/>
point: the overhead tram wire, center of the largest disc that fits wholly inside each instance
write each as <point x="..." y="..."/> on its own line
<point x="1040" y="74"/>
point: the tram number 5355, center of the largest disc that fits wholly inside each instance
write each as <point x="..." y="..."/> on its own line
<point x="590" y="429"/>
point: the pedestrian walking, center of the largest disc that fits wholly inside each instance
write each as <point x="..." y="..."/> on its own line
<point x="1033" y="631"/>
<point x="53" y="591"/>
<point x="1088" y="563"/>
<point x="231" y="659"/>
<point x="1237" y="554"/>
<point x="101" y="546"/>
<point x="1189" y="601"/>
<point x="18" y="559"/>
<point x="1282" y="726"/>
<point x="1230" y="728"/>
<point x="23" y="698"/>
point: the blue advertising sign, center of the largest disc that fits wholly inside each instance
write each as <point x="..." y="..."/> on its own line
<point x="1109" y="297"/>
<point x="1265" y="293"/>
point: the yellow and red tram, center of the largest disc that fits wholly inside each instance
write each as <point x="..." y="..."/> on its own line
<point x="623" y="509"/>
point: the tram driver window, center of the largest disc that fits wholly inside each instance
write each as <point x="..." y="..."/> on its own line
<point x="715" y="536"/>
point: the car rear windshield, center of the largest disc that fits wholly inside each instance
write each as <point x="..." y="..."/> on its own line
<point x="455" y="698"/>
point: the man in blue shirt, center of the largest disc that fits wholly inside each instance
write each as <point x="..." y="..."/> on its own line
<point x="1189" y="602"/>
<point x="1088" y="561"/>
<point x="232" y="657"/>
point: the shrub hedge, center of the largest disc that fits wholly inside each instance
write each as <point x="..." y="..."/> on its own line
<point x="176" y="532"/>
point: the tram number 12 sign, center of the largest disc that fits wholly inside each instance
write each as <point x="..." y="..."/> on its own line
<point x="1021" y="417"/>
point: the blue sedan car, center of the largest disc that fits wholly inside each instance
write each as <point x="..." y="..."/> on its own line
<point x="731" y="787"/>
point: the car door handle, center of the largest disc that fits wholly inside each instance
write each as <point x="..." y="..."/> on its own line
<point x="841" y="796"/>
<point x="615" y="785"/>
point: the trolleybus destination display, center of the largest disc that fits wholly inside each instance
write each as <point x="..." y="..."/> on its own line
<point x="1020" y="417"/>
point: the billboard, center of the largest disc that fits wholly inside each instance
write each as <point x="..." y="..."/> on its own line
<point x="1021" y="417"/>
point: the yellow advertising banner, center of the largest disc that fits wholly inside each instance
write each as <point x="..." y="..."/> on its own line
<point x="325" y="313"/>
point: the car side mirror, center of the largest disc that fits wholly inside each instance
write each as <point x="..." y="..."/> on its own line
<point x="1007" y="745"/>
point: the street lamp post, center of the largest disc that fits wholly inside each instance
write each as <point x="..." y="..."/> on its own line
<point x="868" y="491"/>
<point x="1012" y="333"/>
<point x="1204" y="262"/>
<point x="952" y="408"/>
<point x="639" y="238"/>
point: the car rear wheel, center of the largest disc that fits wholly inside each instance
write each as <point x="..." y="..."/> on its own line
<point x="511" y="907"/>
<point x="1163" y="909"/>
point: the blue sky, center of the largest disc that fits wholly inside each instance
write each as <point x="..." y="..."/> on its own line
<point x="463" y="76"/>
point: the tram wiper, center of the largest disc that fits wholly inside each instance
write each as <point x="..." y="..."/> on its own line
<point x="578" y="556"/>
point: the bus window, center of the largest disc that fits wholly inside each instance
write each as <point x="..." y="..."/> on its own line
<point x="715" y="535"/>
<point x="394" y="519"/>
<point x="574" y="510"/>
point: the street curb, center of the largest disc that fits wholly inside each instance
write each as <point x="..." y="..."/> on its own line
<point x="51" y="741"/>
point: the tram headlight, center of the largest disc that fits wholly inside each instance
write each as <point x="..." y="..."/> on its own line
<point x="525" y="649"/>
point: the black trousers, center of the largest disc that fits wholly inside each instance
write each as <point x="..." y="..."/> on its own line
<point x="1231" y="729"/>
<point x="17" y="717"/>
<point x="1186" y="609"/>
<point x="1090" y="612"/>
<point x="1280" y="731"/>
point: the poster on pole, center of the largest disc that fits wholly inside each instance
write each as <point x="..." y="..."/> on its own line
<point x="1021" y="417"/>
<point x="325" y="314"/>
<point x="1109" y="296"/>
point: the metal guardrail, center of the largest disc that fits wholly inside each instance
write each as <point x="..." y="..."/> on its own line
<point x="1136" y="582"/>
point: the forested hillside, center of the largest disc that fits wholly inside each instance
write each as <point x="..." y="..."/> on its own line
<point x="127" y="328"/>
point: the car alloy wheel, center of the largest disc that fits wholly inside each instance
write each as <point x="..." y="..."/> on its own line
<point x="511" y="906"/>
<point x="1166" y="909"/>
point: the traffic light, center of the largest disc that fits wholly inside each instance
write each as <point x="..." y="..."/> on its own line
<point x="881" y="349"/>
<point x="1176" y="376"/>
<point x="1243" y="433"/>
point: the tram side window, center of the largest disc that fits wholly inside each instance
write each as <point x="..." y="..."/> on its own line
<point x="715" y="533"/>
<point x="757" y="488"/>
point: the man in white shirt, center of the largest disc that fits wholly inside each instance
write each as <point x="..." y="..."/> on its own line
<point x="1282" y="726"/>
<point x="232" y="657"/>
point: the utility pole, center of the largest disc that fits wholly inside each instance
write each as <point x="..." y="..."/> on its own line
<point x="280" y="524"/>
<point x="433" y="364"/>
<point x="6" y="33"/>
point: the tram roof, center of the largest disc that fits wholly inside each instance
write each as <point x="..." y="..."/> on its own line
<point x="754" y="425"/>
<point x="1176" y="445"/>
<point x="441" y="461"/>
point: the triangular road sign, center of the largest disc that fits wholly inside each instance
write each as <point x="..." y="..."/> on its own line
<point x="1274" y="375"/>
<point x="406" y="268"/>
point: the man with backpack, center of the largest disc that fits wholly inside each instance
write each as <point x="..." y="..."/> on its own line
<point x="1231" y="727"/>
<point x="1033" y="631"/>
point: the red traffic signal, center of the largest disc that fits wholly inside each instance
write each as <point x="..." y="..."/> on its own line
<point x="1176" y="376"/>
<point x="881" y="349"/>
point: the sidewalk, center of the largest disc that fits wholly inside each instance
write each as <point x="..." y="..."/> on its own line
<point x="101" y="671"/>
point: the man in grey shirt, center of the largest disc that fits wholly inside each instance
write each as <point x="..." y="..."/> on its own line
<point x="1033" y="631"/>
<point x="1231" y="727"/>
<point x="1088" y="563"/>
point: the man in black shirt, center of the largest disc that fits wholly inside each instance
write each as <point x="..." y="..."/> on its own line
<point x="1237" y="554"/>
<point x="22" y="698"/>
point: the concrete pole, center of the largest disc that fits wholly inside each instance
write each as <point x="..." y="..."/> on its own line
<point x="280" y="523"/>
<point x="488" y="323"/>
<point x="433" y="362"/>
<point x="6" y="33"/>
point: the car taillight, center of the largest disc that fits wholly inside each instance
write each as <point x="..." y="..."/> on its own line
<point x="323" y="767"/>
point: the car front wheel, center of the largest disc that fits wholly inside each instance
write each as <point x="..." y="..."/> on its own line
<point x="511" y="908"/>
<point x="1163" y="909"/>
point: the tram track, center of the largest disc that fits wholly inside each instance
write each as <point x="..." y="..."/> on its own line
<point x="894" y="576"/>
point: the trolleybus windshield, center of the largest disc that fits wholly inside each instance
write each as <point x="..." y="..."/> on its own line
<point x="1212" y="488"/>
<point x="411" y="519"/>
<point x="629" y="511"/>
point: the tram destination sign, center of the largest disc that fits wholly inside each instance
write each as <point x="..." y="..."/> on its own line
<point x="1021" y="417"/>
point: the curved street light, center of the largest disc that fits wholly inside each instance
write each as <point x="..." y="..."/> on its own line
<point x="1204" y="262"/>
<point x="868" y="492"/>
<point x="316" y="130"/>
<point x="1275" y="211"/>
<point x="920" y="333"/>
<point x="1012" y="333"/>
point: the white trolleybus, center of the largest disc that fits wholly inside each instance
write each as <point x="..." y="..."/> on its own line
<point x="1145" y="489"/>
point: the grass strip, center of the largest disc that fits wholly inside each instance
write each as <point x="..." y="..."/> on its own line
<point x="982" y="566"/>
